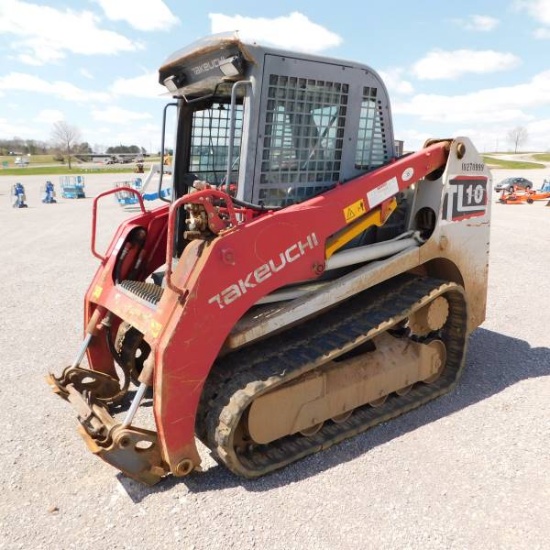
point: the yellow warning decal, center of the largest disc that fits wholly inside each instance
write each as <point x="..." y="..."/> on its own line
<point x="354" y="211"/>
<point x="97" y="292"/>
<point x="155" y="328"/>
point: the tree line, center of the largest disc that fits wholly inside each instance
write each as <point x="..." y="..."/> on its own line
<point x="18" y="146"/>
<point x="65" y="144"/>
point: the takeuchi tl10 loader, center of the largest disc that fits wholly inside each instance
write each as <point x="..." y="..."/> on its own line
<point x="303" y="285"/>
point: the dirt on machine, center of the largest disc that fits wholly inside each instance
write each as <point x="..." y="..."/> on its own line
<point x="301" y="284"/>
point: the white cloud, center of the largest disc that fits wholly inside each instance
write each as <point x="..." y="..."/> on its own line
<point x="117" y="115"/>
<point x="59" y="88"/>
<point x="146" y="85"/>
<point x="504" y="104"/>
<point x="292" y="32"/>
<point x="86" y="73"/>
<point x="413" y="139"/>
<point x="481" y="23"/>
<point x="542" y="33"/>
<point x="50" y="116"/>
<point x="440" y="64"/>
<point x="538" y="9"/>
<point x="27" y="59"/>
<point x="45" y="34"/>
<point x="539" y="133"/>
<point x="16" y="129"/>
<point x="456" y="109"/>
<point x="395" y="83"/>
<point x="153" y="15"/>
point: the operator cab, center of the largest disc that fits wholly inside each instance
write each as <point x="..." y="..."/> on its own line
<point x="270" y="127"/>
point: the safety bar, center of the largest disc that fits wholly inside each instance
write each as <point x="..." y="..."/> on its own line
<point x="94" y="214"/>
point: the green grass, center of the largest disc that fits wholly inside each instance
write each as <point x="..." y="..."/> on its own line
<point x="45" y="164"/>
<point x="34" y="159"/>
<point x="543" y="157"/>
<point x="511" y="164"/>
<point x="59" y="169"/>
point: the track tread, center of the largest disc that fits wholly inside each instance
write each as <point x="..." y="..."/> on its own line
<point x="239" y="377"/>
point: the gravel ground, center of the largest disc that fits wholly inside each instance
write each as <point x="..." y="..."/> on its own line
<point x="470" y="470"/>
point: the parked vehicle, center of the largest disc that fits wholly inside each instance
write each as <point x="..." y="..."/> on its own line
<point x="22" y="161"/>
<point x="510" y="184"/>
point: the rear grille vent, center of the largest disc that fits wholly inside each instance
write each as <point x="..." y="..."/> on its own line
<point x="148" y="292"/>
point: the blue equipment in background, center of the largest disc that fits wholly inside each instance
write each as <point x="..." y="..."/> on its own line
<point x="18" y="196"/>
<point x="126" y="197"/>
<point x="48" y="193"/>
<point x="72" y="187"/>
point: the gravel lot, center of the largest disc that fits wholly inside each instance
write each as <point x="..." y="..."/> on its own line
<point x="470" y="470"/>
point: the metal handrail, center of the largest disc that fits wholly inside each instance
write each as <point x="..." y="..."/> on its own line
<point x="94" y="214"/>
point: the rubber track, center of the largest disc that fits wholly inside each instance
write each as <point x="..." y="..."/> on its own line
<point x="237" y="379"/>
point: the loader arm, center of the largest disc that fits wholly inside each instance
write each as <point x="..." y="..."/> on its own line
<point x="250" y="261"/>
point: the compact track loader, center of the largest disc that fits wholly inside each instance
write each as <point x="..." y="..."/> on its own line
<point x="304" y="283"/>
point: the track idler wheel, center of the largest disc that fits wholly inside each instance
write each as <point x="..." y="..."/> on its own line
<point x="429" y="318"/>
<point x="438" y="361"/>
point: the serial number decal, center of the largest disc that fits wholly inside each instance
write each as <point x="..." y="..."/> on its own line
<point x="473" y="167"/>
<point x="466" y="198"/>
<point x="384" y="191"/>
<point x="354" y="211"/>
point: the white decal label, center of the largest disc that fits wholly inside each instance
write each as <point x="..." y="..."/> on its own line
<point x="256" y="277"/>
<point x="382" y="192"/>
<point x="407" y="174"/>
<point x="465" y="199"/>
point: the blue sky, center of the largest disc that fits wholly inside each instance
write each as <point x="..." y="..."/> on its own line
<point x="470" y="68"/>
